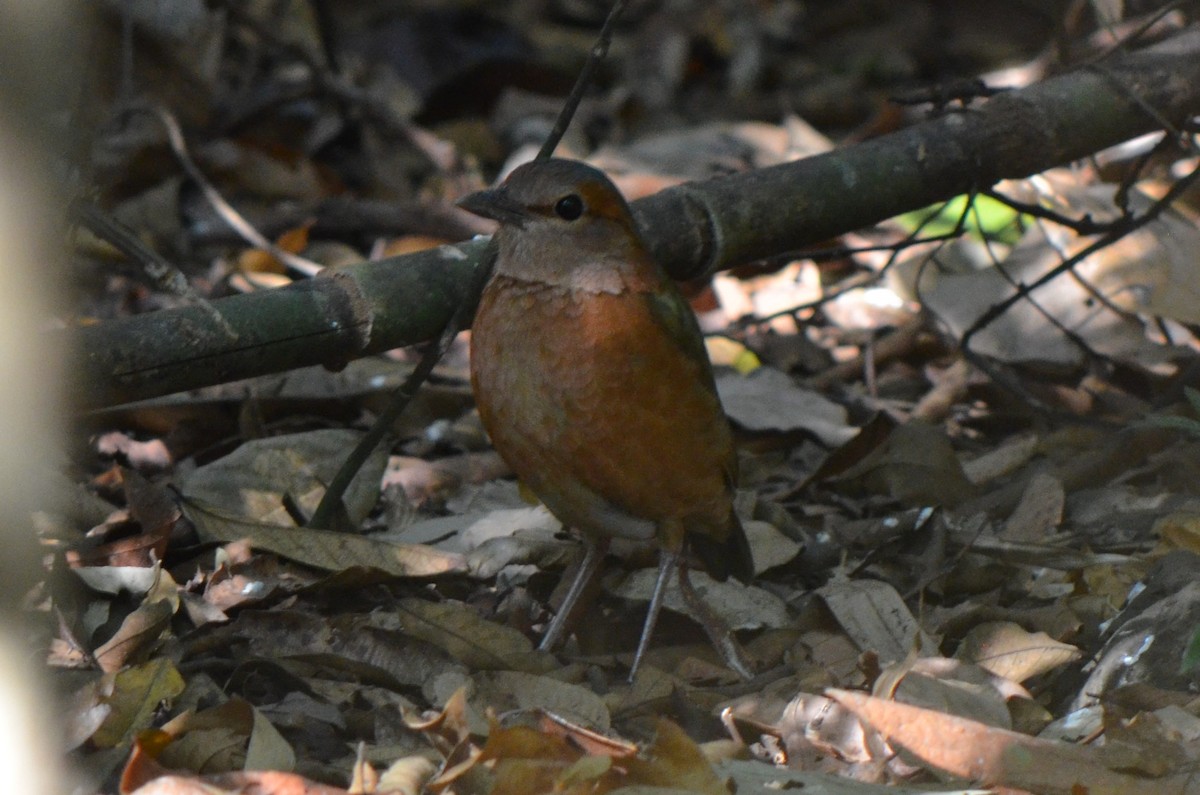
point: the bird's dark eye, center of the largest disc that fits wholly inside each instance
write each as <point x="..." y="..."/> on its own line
<point x="569" y="207"/>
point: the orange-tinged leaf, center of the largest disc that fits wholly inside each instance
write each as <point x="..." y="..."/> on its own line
<point x="295" y="240"/>
<point x="591" y="742"/>
<point x="999" y="757"/>
<point x="411" y="244"/>
<point x="141" y="767"/>
<point x="137" y="633"/>
<point x="256" y="260"/>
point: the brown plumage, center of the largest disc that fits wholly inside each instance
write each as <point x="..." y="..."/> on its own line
<point x="592" y="380"/>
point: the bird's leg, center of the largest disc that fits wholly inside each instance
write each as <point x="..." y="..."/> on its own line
<point x="668" y="559"/>
<point x="593" y="556"/>
<point x="719" y="632"/>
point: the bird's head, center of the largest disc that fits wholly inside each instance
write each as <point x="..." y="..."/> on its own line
<point x="562" y="222"/>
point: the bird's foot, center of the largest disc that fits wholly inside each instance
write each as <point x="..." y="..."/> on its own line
<point x="719" y="632"/>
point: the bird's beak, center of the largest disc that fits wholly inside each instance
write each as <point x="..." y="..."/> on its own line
<point x="495" y="204"/>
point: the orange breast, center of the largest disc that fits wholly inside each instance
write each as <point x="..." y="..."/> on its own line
<point x="600" y="412"/>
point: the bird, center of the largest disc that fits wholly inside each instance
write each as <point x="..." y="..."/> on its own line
<point x="592" y="381"/>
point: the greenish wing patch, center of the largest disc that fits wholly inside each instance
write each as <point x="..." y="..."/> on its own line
<point x="672" y="313"/>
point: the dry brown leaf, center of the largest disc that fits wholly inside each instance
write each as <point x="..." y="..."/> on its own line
<point x="324" y="549"/>
<point x="1039" y="512"/>
<point x="505" y="691"/>
<point x="914" y="464"/>
<point x="253" y="481"/>
<point x="1008" y="650"/>
<point x="466" y="636"/>
<point x="972" y="700"/>
<point x="756" y="777"/>
<point x="674" y="760"/>
<point x="1002" y="460"/>
<point x="741" y="606"/>
<point x="593" y="742"/>
<point x="231" y="736"/>
<point x="998" y="757"/>
<point x="135" y="637"/>
<point x="875" y="617"/>
<point x="768" y="400"/>
<point x="343" y="645"/>
<point x="136" y="696"/>
<point x="447" y="728"/>
<point x="1179" y="530"/>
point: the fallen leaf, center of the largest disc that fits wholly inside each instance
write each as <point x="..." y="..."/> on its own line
<point x="875" y="618"/>
<point x="998" y="757"/>
<point x="323" y="549"/>
<point x="137" y="694"/>
<point x="1007" y="650"/>
<point x="768" y="400"/>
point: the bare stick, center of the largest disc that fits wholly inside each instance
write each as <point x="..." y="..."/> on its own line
<point x="599" y="53"/>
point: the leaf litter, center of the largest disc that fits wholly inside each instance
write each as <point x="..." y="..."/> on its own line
<point x="958" y="585"/>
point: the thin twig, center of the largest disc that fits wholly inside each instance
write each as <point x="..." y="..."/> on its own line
<point x="852" y="283"/>
<point x="598" y="54"/>
<point x="1133" y="224"/>
<point x="332" y="500"/>
<point x="1082" y="226"/>
<point x="231" y="216"/>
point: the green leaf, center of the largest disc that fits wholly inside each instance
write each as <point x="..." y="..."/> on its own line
<point x="1191" y="655"/>
<point x="987" y="218"/>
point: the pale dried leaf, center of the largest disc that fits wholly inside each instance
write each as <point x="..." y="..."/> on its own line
<point x="135" y="637"/>
<point x="1039" y="512"/>
<point x="136" y="580"/>
<point x="1007" y="650"/>
<point x="973" y="751"/>
<point x="1025" y="333"/>
<point x="469" y="638"/>
<point x="267" y="749"/>
<point x="406" y="776"/>
<point x="875" y="617"/>
<point x="509" y="690"/>
<point x="741" y="606"/>
<point x="183" y="785"/>
<point x="324" y="549"/>
<point x="768" y="546"/>
<point x="507" y="522"/>
<point x="768" y="400"/>
<point x="86" y="711"/>
<point x="251" y="482"/>
<point x="1152" y="271"/>
<point x="1076" y="725"/>
<point x="1003" y="460"/>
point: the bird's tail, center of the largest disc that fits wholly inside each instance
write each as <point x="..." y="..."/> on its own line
<point x="730" y="556"/>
